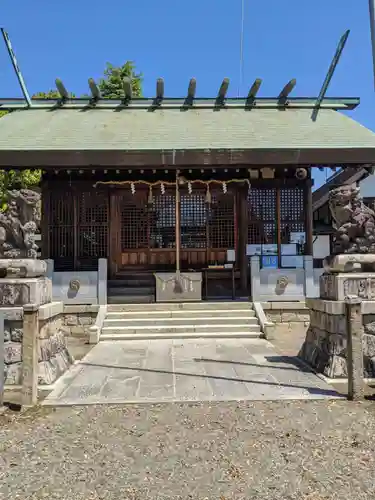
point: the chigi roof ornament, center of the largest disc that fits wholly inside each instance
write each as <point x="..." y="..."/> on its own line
<point x="284" y="99"/>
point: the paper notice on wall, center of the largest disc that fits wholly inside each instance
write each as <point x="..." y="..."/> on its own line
<point x="253" y="249"/>
<point x="293" y="261"/>
<point x="299" y="237"/>
<point x="289" y="249"/>
<point x="270" y="249"/>
<point x="231" y="255"/>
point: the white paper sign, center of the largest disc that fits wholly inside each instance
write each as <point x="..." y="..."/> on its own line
<point x="294" y="261"/>
<point x="253" y="249"/>
<point x="298" y="238"/>
<point x="289" y="249"/>
<point x="270" y="249"/>
<point x="231" y="255"/>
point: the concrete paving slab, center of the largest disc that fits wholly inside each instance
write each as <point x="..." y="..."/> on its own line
<point x="186" y="370"/>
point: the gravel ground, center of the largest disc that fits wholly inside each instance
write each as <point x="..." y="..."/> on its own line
<point x="310" y="450"/>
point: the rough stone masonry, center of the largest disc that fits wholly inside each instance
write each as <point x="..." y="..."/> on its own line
<point x="348" y="273"/>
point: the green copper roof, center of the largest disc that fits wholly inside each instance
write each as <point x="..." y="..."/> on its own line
<point x="177" y="129"/>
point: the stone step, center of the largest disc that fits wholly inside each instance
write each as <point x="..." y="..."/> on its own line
<point x="182" y="335"/>
<point x="181" y="314"/>
<point x="125" y="301"/>
<point x="125" y="291"/>
<point x="132" y="282"/>
<point x="180" y="322"/>
<point x="187" y="306"/>
<point x="180" y="329"/>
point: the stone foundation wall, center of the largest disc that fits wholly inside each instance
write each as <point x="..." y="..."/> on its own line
<point x="54" y="358"/>
<point x="77" y="319"/>
<point x="13" y="335"/>
<point x="287" y="317"/>
<point x="53" y="355"/>
<point x="325" y="346"/>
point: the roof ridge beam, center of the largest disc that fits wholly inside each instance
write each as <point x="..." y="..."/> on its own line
<point x="334" y="103"/>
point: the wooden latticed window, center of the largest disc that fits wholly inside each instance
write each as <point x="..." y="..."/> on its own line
<point x="222" y="221"/>
<point x="61" y="229"/>
<point x="292" y="217"/>
<point x="77" y="228"/>
<point x="277" y="219"/>
<point x="134" y="223"/>
<point x="193" y="220"/>
<point x="92" y="228"/>
<point x="262" y="227"/>
<point x="163" y="220"/>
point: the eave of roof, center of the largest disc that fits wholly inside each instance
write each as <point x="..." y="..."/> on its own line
<point x="206" y="135"/>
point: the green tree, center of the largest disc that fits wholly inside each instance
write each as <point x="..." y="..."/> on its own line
<point x="16" y="179"/>
<point x="51" y="94"/>
<point x="111" y="85"/>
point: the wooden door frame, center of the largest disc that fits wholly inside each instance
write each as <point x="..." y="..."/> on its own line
<point x="150" y="254"/>
<point x="114" y="240"/>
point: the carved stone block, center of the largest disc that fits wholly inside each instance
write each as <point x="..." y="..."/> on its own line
<point x="368" y="342"/>
<point x="338" y="286"/>
<point x="12" y="352"/>
<point x="20" y="291"/>
<point x="369" y="324"/>
<point x="13" y="374"/>
<point x="348" y="263"/>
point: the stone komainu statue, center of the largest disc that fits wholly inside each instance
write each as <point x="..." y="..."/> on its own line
<point x="353" y="222"/>
<point x="18" y="225"/>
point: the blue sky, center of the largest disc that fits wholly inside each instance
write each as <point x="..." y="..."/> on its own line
<point x="178" y="40"/>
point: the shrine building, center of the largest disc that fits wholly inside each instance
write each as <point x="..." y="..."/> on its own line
<point x="217" y="190"/>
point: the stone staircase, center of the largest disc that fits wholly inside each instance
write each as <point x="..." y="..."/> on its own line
<point x="132" y="287"/>
<point x="182" y="320"/>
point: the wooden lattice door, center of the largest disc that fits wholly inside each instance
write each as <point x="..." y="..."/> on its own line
<point x="77" y="227"/>
<point x="129" y="228"/>
<point x="162" y="230"/>
<point x="194" y="228"/>
<point x="262" y="209"/>
<point x="222" y="226"/>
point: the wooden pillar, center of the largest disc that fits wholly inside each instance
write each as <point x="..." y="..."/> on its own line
<point x="114" y="246"/>
<point x="178" y="224"/>
<point x="243" y="216"/>
<point x="76" y="200"/>
<point x="278" y="225"/>
<point x="308" y="217"/>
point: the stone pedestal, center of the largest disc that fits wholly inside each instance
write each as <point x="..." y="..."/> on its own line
<point x="337" y="286"/>
<point x="35" y="349"/>
<point x="326" y="344"/>
<point x="22" y="281"/>
<point x="15" y="292"/>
